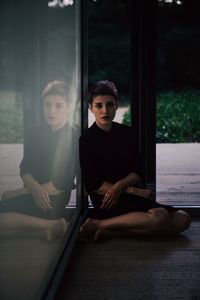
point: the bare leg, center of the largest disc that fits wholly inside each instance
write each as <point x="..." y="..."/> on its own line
<point x="155" y="221"/>
<point x="51" y="229"/>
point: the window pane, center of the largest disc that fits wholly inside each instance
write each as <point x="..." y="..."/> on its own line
<point x="110" y="50"/>
<point x="39" y="131"/>
<point x="178" y="102"/>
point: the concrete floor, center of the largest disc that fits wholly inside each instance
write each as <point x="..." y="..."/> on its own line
<point x="178" y="173"/>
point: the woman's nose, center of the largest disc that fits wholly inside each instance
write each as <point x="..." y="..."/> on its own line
<point x="52" y="109"/>
<point x="105" y="109"/>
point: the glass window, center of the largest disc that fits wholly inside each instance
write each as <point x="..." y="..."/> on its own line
<point x="109" y="47"/>
<point x="178" y="102"/>
<point x="39" y="131"/>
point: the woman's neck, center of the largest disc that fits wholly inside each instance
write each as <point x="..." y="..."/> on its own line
<point x="106" y="127"/>
<point x="56" y="128"/>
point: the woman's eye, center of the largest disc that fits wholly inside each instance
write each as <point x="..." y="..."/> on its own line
<point x="58" y="105"/>
<point x="98" y="106"/>
<point x="110" y="104"/>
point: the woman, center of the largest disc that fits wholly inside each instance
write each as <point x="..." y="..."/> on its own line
<point x="47" y="171"/>
<point x="111" y="172"/>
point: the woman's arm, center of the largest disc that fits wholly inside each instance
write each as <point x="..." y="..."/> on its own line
<point x="50" y="188"/>
<point x="14" y="193"/>
<point x="112" y="192"/>
<point x="145" y="193"/>
<point x="130" y="180"/>
<point x="30" y="183"/>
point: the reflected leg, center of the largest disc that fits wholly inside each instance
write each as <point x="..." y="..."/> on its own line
<point x="50" y="229"/>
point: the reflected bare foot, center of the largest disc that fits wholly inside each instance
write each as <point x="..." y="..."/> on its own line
<point x="56" y="229"/>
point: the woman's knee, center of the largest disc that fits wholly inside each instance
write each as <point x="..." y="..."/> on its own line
<point x="160" y="219"/>
<point x="181" y="220"/>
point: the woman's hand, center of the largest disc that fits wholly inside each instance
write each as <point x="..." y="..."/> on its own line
<point x="40" y="197"/>
<point x="112" y="196"/>
<point x="39" y="193"/>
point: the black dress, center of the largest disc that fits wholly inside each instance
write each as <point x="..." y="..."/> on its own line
<point x="48" y="156"/>
<point x="111" y="156"/>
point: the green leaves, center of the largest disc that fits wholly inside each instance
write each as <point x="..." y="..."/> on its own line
<point x="11" y="118"/>
<point x="177" y="117"/>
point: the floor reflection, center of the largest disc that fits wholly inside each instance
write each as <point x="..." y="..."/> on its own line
<point x="26" y="261"/>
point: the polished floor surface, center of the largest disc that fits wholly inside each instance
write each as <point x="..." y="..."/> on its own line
<point x="135" y="268"/>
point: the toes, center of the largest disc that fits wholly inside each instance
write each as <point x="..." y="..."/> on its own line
<point x="97" y="235"/>
<point x="87" y="230"/>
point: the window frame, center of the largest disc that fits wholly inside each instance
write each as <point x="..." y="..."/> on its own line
<point x="81" y="7"/>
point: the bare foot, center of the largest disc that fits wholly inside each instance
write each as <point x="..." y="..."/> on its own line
<point x="100" y="235"/>
<point x="92" y="230"/>
<point x="56" y="229"/>
<point x="89" y="230"/>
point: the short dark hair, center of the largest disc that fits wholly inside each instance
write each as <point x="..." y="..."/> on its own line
<point x="103" y="87"/>
<point x="56" y="87"/>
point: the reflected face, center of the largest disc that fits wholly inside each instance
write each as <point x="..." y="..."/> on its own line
<point x="55" y="111"/>
<point x="104" y="109"/>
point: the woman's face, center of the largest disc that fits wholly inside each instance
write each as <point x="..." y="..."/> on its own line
<point x="104" y="109"/>
<point x="55" y="111"/>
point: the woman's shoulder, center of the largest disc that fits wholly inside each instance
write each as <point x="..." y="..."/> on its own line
<point x="123" y="132"/>
<point x="121" y="127"/>
<point x="91" y="138"/>
<point x="89" y="133"/>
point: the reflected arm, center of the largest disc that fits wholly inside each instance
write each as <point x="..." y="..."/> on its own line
<point x="33" y="187"/>
<point x="30" y="183"/>
<point x="50" y="188"/>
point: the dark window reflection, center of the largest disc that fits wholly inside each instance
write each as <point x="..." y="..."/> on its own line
<point x="39" y="171"/>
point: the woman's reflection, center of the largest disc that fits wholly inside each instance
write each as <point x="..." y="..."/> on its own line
<point x="47" y="171"/>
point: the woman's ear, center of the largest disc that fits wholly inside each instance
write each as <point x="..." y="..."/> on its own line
<point x="90" y="107"/>
<point x="69" y="107"/>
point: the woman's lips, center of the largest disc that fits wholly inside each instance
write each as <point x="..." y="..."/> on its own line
<point x="51" y="118"/>
<point x="106" y="118"/>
